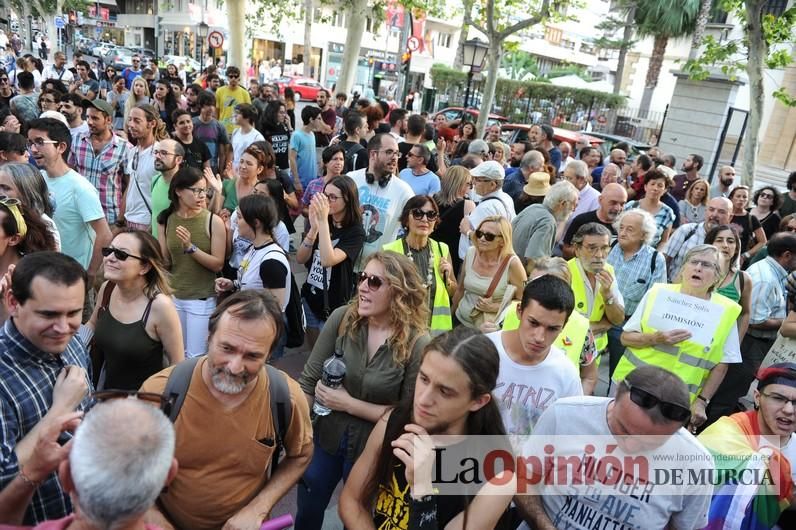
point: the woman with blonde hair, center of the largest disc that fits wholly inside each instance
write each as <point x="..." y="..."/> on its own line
<point x="139" y="93"/>
<point x="692" y="208"/>
<point x="490" y="268"/>
<point x="381" y="334"/>
<point x="135" y="322"/>
<point x="453" y="207"/>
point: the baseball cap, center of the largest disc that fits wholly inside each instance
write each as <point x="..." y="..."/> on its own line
<point x="478" y="147"/>
<point x="100" y="105"/>
<point x="489" y="170"/>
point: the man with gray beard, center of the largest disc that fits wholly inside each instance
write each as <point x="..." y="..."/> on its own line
<point x="225" y="431"/>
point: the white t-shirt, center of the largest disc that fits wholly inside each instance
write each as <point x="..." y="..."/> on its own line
<point x="571" y="508"/>
<point x="732" y="346"/>
<point x="138" y="205"/>
<point x="523" y="392"/>
<point x="241" y="140"/>
<point x="82" y="128"/>
<point x="488" y="207"/>
<point x="381" y="210"/>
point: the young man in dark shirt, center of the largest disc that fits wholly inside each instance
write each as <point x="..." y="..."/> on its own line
<point x="197" y="154"/>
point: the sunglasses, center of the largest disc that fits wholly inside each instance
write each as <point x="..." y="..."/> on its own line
<point x="119" y="254"/>
<point x="647" y="401"/>
<point x="418" y="214"/>
<point x="487" y="236"/>
<point x="374" y="282"/>
<point x="233" y="76"/>
<point x="164" y="403"/>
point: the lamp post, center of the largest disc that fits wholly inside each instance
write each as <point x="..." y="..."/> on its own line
<point x="473" y="55"/>
<point x="202" y="31"/>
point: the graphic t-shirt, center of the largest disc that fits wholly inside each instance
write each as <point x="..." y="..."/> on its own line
<point x="213" y="135"/>
<point x="584" y="507"/>
<point x="381" y="209"/>
<point x="196" y="153"/>
<point x="280" y="141"/>
<point x="226" y="101"/>
<point x="523" y="392"/>
<point x="76" y="205"/>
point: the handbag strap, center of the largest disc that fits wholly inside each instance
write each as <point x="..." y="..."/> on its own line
<point x="497" y="276"/>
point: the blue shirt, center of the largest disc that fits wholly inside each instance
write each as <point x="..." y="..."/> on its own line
<point x="306" y="159"/>
<point x="768" y="295"/>
<point x="425" y="184"/>
<point x="634" y="276"/>
<point x="27" y="379"/>
<point x="513" y="183"/>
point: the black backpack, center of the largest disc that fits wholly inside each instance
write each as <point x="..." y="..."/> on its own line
<point x="281" y="409"/>
<point x="294" y="312"/>
<point x="351" y="156"/>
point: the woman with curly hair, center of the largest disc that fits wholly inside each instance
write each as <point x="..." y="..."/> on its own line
<point x="381" y="334"/>
<point x="766" y="203"/>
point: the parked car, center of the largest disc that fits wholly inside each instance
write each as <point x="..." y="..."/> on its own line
<point x="454" y="116"/>
<point x="103" y="48"/>
<point x="119" y="58"/>
<point x="144" y="52"/>
<point x="85" y="45"/>
<point x="517" y="132"/>
<point x="610" y="140"/>
<point x="305" y="88"/>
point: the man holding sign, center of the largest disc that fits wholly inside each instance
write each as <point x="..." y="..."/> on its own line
<point x="686" y="329"/>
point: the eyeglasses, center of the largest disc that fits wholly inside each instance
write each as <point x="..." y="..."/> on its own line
<point x="413" y="155"/>
<point x="766" y="196"/>
<point x="486" y="236"/>
<point x="647" y="401"/>
<point x="480" y="180"/>
<point x="9" y="201"/>
<point x="198" y="192"/>
<point x="119" y="254"/>
<point x="135" y="61"/>
<point x="780" y="400"/>
<point x="163" y="402"/>
<point x="3" y="80"/>
<point x="40" y="142"/>
<point x="390" y="152"/>
<point x="47" y="100"/>
<point x="332" y="197"/>
<point x="594" y="249"/>
<point x="158" y="152"/>
<point x="374" y="282"/>
<point x="702" y="263"/>
<point x="418" y="214"/>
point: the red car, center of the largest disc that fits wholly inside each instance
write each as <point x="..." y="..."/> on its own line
<point x="305" y="88"/>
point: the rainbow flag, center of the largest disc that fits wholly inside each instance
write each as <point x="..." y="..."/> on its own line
<point x="746" y="503"/>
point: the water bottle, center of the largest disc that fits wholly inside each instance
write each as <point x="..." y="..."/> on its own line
<point x="332" y="376"/>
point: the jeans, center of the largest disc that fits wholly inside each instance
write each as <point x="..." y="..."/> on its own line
<point x="316" y="487"/>
<point x="194" y="318"/>
<point x="279" y="350"/>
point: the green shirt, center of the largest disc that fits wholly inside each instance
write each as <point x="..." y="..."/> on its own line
<point x="160" y="199"/>
<point x="230" y="195"/>
<point x="380" y="381"/>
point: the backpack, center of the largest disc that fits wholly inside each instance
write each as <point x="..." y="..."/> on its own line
<point x="294" y="312"/>
<point x="351" y="155"/>
<point x="281" y="409"/>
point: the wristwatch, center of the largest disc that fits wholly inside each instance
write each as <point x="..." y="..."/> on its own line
<point x="190" y="250"/>
<point x="703" y="398"/>
<point x="610" y="301"/>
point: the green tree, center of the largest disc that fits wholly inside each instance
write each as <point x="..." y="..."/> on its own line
<point x="767" y="42"/>
<point x="498" y="22"/>
<point x="46" y="10"/>
<point x="518" y="64"/>
<point x="662" y="20"/>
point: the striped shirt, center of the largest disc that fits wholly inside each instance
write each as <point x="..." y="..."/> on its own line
<point x="105" y="170"/>
<point x="635" y="275"/>
<point x="27" y="378"/>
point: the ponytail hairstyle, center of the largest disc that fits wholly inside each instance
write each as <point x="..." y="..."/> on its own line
<point x="259" y="207"/>
<point x="349" y="194"/>
<point x="479" y="359"/>
<point x="35" y="235"/>
<point x="186" y="177"/>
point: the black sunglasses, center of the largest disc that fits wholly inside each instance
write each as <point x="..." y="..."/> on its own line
<point x="374" y="282"/>
<point x="488" y="236"/>
<point x="645" y="400"/>
<point x="418" y="214"/>
<point x="120" y="254"/>
<point x="163" y="402"/>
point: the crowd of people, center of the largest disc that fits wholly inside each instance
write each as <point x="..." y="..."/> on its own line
<point x="149" y="236"/>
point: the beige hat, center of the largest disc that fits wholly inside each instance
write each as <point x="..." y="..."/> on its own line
<point x="538" y="184"/>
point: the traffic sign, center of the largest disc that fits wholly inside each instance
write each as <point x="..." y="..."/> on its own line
<point x="59" y="22"/>
<point x="413" y="44"/>
<point x="215" y="39"/>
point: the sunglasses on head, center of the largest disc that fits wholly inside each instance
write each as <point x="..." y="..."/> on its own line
<point x="418" y="214"/>
<point x="374" y="282"/>
<point x="487" y="236"/>
<point x="647" y="401"/>
<point x="162" y="402"/>
<point x="119" y="254"/>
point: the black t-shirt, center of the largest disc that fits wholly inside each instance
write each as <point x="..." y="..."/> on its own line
<point x="280" y="141"/>
<point x="339" y="278"/>
<point x="361" y="155"/>
<point x="582" y="219"/>
<point x="196" y="153"/>
<point x="447" y="231"/>
<point x="746" y="224"/>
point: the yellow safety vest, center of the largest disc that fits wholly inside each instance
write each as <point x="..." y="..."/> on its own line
<point x="572" y="336"/>
<point x="441" y="308"/>
<point x="582" y="303"/>
<point x="688" y="360"/>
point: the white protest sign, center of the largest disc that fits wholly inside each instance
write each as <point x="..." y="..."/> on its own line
<point x="782" y="351"/>
<point x="681" y="311"/>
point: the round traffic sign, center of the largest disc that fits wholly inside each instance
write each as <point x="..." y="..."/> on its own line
<point x="215" y="39"/>
<point x="413" y="44"/>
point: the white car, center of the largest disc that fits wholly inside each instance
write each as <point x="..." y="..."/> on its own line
<point x="103" y="49"/>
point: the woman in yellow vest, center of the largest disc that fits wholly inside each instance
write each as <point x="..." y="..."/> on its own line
<point x="576" y="339"/>
<point x="701" y="366"/>
<point x="431" y="258"/>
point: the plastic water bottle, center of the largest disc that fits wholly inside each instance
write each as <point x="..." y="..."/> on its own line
<point x="332" y="376"/>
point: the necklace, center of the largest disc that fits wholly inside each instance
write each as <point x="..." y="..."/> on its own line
<point x="430" y="265"/>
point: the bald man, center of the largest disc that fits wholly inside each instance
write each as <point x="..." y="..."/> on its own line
<point x="724" y="183"/>
<point x="612" y="201"/>
<point x="617" y="157"/>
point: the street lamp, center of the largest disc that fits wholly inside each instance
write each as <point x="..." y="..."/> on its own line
<point x="202" y="31"/>
<point x="473" y="55"/>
